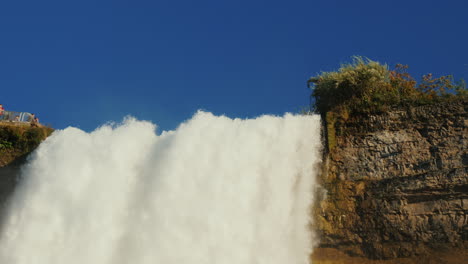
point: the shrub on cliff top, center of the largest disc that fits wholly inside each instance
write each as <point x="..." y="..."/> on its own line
<point x="366" y="86"/>
<point x="22" y="138"/>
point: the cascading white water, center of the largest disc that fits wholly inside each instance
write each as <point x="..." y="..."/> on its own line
<point x="216" y="190"/>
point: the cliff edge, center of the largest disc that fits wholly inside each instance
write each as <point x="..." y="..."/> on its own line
<point x="395" y="183"/>
<point x="16" y="142"/>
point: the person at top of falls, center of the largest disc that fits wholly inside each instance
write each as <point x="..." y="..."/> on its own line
<point x="33" y="119"/>
<point x="1" y="111"/>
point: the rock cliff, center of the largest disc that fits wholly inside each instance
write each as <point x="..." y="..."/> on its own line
<point x="395" y="184"/>
<point x="17" y="141"/>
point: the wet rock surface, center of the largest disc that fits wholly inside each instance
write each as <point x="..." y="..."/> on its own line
<point x="396" y="184"/>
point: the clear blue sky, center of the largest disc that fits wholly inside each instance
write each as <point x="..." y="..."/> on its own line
<point x="83" y="63"/>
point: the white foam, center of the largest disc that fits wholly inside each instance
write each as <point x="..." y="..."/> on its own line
<point x="215" y="190"/>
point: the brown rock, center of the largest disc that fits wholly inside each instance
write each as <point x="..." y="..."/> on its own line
<point x="397" y="183"/>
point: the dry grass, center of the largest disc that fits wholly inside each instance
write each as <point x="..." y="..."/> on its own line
<point x="19" y="139"/>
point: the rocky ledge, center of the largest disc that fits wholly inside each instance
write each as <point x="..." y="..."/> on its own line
<point x="396" y="184"/>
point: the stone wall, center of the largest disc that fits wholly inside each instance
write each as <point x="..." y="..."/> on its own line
<point x="396" y="184"/>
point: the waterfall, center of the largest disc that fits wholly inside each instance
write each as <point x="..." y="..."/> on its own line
<point x="215" y="190"/>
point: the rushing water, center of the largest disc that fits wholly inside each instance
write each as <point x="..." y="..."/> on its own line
<point x="215" y="190"/>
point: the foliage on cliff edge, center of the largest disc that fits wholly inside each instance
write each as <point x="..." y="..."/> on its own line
<point x="16" y="141"/>
<point x="366" y="86"/>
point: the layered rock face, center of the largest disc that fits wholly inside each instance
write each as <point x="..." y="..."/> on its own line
<point x="396" y="184"/>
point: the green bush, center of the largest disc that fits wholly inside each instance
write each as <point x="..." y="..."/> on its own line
<point x="366" y="86"/>
<point x="22" y="138"/>
<point x="5" y="144"/>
